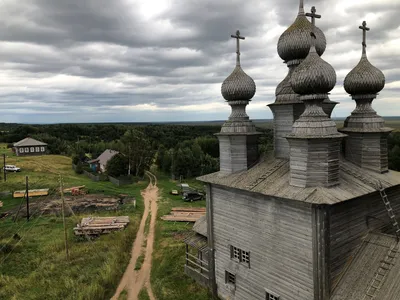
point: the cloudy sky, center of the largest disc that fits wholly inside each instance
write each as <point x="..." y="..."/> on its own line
<point x="165" y="60"/>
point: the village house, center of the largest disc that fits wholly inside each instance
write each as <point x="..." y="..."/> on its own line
<point x="100" y="163"/>
<point x="29" y="146"/>
<point x="313" y="220"/>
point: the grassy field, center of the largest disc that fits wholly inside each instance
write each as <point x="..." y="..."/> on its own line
<point x="33" y="264"/>
<point x="168" y="279"/>
<point x="44" y="172"/>
<point x="32" y="255"/>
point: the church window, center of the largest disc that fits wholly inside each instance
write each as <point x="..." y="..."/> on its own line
<point x="230" y="278"/>
<point x="245" y="257"/>
<point x="240" y="255"/>
<point x="271" y="296"/>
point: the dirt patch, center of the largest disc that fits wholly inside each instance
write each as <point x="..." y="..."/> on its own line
<point x="78" y="204"/>
<point x="134" y="280"/>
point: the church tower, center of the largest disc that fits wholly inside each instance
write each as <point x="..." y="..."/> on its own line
<point x="366" y="145"/>
<point x="314" y="141"/>
<point x="293" y="47"/>
<point x="238" y="139"/>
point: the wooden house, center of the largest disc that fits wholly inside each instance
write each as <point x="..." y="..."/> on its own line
<point x="100" y="163"/>
<point x="314" y="220"/>
<point x="29" y="147"/>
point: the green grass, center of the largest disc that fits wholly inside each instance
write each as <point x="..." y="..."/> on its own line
<point x="143" y="295"/>
<point x="139" y="262"/>
<point x="123" y="295"/>
<point x="33" y="263"/>
<point x="168" y="279"/>
<point x="44" y="171"/>
<point x="36" y="267"/>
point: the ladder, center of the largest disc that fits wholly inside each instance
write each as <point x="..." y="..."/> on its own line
<point x="382" y="272"/>
<point x="389" y="209"/>
<point x="266" y="175"/>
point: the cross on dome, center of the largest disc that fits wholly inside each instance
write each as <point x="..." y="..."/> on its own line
<point x="237" y="37"/>
<point x="364" y="28"/>
<point x="313" y="16"/>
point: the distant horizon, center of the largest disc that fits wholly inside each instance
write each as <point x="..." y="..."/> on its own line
<point x="164" y="122"/>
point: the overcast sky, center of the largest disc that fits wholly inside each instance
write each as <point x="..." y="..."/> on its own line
<point x="165" y="60"/>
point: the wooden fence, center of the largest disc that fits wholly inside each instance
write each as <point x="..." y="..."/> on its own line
<point x="121" y="181"/>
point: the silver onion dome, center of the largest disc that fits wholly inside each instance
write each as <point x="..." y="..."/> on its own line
<point x="238" y="85"/>
<point x="313" y="75"/>
<point x="364" y="78"/>
<point x="295" y="42"/>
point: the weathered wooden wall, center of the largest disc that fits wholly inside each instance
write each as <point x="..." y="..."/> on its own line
<point x="278" y="235"/>
<point x="349" y="225"/>
<point x="367" y="150"/>
<point x="237" y="152"/>
<point x="284" y="117"/>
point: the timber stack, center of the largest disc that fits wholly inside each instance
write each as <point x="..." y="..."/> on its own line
<point x="101" y="225"/>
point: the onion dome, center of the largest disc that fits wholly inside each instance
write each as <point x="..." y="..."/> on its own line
<point x="313" y="75"/>
<point x="364" y="79"/>
<point x="238" y="85"/>
<point x="295" y="42"/>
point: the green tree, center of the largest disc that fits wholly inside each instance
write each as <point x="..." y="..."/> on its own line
<point x="117" y="165"/>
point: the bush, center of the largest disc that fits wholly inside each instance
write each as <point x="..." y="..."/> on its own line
<point x="75" y="160"/>
<point x="79" y="168"/>
<point x="117" y="166"/>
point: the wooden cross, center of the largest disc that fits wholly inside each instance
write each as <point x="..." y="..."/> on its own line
<point x="313" y="16"/>
<point x="237" y="37"/>
<point x="364" y="28"/>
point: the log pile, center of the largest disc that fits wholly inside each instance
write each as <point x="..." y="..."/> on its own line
<point x="31" y="193"/>
<point x="185" y="214"/>
<point x="101" y="225"/>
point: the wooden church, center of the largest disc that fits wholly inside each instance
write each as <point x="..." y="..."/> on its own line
<point x="317" y="218"/>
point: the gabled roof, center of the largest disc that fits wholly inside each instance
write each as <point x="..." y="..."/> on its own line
<point x="27" y="142"/>
<point x="271" y="178"/>
<point x="104" y="157"/>
<point x="358" y="277"/>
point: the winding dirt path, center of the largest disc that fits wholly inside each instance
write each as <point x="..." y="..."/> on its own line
<point x="133" y="281"/>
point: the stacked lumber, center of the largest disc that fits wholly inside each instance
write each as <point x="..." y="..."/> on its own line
<point x="31" y="193"/>
<point x="101" y="225"/>
<point x="69" y="190"/>
<point x="185" y="214"/>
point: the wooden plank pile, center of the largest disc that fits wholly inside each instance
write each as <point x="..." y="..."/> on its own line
<point x="32" y="193"/>
<point x="101" y="225"/>
<point x="185" y="214"/>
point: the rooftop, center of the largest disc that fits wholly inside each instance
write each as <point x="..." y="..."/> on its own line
<point x="27" y="142"/>
<point x="359" y="275"/>
<point x="271" y="178"/>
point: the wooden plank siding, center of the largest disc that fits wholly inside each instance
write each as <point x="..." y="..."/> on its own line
<point x="278" y="235"/>
<point x="349" y="226"/>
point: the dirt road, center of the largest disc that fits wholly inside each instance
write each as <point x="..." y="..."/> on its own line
<point x="133" y="281"/>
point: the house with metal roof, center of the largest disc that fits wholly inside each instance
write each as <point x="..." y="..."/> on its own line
<point x="316" y="219"/>
<point x="100" y="163"/>
<point x="29" y="147"/>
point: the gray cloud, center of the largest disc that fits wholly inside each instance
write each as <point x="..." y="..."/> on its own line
<point x="130" y="60"/>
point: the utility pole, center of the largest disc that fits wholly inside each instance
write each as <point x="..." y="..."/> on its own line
<point x="4" y="167"/>
<point x="27" y="197"/>
<point x="63" y="217"/>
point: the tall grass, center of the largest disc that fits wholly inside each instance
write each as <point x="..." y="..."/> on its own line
<point x="168" y="280"/>
<point x="37" y="267"/>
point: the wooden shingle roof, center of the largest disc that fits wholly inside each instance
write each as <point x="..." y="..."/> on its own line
<point x="271" y="178"/>
<point x="359" y="275"/>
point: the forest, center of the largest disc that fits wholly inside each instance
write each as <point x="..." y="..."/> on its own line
<point x="179" y="150"/>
